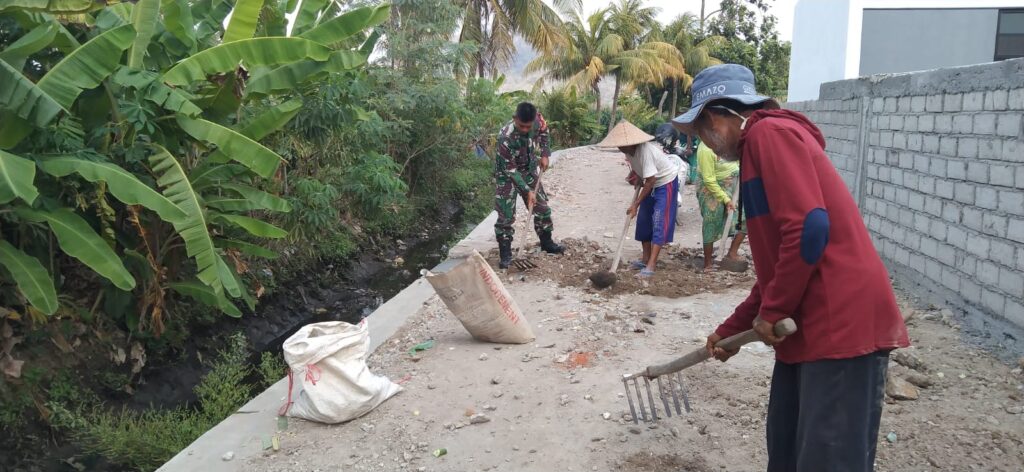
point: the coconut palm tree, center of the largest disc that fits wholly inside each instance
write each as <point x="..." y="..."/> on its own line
<point x="684" y="33"/>
<point x="636" y="55"/>
<point x="597" y="48"/>
<point x="493" y="25"/>
<point x="585" y="62"/>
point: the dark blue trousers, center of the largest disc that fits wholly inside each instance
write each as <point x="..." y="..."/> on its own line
<point x="823" y="416"/>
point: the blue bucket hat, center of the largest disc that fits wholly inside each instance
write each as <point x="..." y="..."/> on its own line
<point x="725" y="81"/>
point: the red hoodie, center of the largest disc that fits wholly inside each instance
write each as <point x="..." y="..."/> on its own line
<point x="814" y="259"/>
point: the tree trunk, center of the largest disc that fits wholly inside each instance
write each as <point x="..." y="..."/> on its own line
<point x="675" y="97"/>
<point x="661" y="104"/>
<point x="615" y="102"/>
<point x="597" y="92"/>
<point x="702" y="18"/>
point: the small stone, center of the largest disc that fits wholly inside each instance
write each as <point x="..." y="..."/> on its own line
<point x="609" y="235"/>
<point x="547" y="346"/>
<point x="900" y="389"/>
<point x="228" y="456"/>
<point x="606" y="415"/>
<point x="483" y="356"/>
<point x="674" y="431"/>
<point x="366" y="427"/>
<point x="563" y="400"/>
<point x="919" y="380"/>
<point x="495" y="380"/>
<point x="634" y="430"/>
<point x="909" y="360"/>
<point x="479" y="418"/>
<point x="498" y="394"/>
<point x="431" y="386"/>
<point x="940" y="375"/>
<point x="992" y="420"/>
<point x="1014" y="410"/>
<point x="490" y="408"/>
<point x="515" y="448"/>
<point x="891" y="437"/>
<point x="589" y="398"/>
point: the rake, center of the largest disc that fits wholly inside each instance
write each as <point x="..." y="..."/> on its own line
<point x="523" y="262"/>
<point x="672" y="371"/>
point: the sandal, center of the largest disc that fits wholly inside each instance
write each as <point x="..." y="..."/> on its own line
<point x="637" y="265"/>
<point x="645" y="274"/>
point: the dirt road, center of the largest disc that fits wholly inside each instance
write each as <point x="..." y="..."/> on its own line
<point x="555" y="404"/>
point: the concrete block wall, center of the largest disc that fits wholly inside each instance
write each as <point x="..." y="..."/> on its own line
<point x="935" y="160"/>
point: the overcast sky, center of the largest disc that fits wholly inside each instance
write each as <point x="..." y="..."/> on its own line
<point x="782" y="9"/>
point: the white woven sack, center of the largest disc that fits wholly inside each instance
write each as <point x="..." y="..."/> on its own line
<point x="328" y="361"/>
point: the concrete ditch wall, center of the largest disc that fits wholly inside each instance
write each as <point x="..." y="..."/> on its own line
<point x="935" y="160"/>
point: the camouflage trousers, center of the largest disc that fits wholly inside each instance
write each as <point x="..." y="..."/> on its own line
<point x="505" y="204"/>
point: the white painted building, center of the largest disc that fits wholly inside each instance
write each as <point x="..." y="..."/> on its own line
<point x="844" y="39"/>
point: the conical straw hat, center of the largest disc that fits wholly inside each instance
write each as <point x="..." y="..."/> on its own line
<point x="625" y="134"/>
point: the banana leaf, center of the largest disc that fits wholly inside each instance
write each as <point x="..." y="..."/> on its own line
<point x="340" y="28"/>
<point x="249" y="52"/>
<point x="290" y="76"/>
<point x="20" y="98"/>
<point x="244" y="17"/>
<point x="205" y="295"/>
<point x="37" y="39"/>
<point x="16" y="177"/>
<point x="122" y="184"/>
<point x="193" y="228"/>
<point x="32" y="279"/>
<point x="87" y="66"/>
<point x="237" y="146"/>
<point x="144" y="18"/>
<point x="253" y="226"/>
<point x="79" y="240"/>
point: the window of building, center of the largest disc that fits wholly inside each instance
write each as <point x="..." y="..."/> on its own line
<point x="1010" y="34"/>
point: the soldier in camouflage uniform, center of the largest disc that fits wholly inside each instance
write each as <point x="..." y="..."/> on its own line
<point x="517" y="166"/>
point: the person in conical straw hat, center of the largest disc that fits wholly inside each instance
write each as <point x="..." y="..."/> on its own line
<point x="816" y="264"/>
<point x="656" y="205"/>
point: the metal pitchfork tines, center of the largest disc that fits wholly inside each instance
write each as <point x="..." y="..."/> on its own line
<point x="671" y="371"/>
<point x="674" y="391"/>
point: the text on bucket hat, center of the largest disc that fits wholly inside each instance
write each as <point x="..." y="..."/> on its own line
<point x="725" y="81"/>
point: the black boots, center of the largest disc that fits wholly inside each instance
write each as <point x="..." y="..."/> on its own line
<point x="549" y="245"/>
<point x="505" y="253"/>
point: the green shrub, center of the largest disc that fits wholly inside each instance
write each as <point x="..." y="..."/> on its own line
<point x="272" y="368"/>
<point x="147" y="439"/>
<point x="570" y="120"/>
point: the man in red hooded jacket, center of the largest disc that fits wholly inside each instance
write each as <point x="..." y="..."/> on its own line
<point x="815" y="263"/>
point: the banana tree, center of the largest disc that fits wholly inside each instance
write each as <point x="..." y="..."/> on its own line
<point x="136" y="151"/>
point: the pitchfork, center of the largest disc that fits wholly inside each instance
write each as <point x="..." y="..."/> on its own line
<point x="523" y="262"/>
<point x="672" y="370"/>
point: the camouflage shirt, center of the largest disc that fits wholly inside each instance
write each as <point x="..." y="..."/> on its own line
<point x="517" y="152"/>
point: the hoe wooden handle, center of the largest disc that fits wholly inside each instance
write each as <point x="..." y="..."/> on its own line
<point x="622" y="238"/>
<point x="784" y="327"/>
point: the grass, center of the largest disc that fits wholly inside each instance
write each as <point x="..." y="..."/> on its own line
<point x="145" y="440"/>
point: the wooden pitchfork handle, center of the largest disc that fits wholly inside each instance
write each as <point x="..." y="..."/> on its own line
<point x="529" y="208"/>
<point x="625" y="228"/>
<point x="783" y="327"/>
